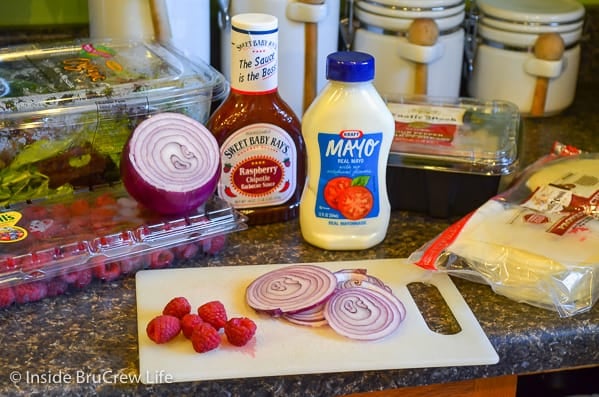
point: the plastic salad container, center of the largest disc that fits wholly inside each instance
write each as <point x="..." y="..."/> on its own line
<point x="60" y="245"/>
<point x="450" y="155"/>
<point x="66" y="112"/>
<point x="66" y="109"/>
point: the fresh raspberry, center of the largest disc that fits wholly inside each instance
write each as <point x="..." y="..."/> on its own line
<point x="189" y="322"/>
<point x="161" y="259"/>
<point x="240" y="330"/>
<point x="82" y="278"/>
<point x="163" y="328"/>
<point x="105" y="271"/>
<point x="106" y="199"/>
<point x="57" y="286"/>
<point x="213" y="245"/>
<point x="204" y="338"/>
<point x="131" y="265"/>
<point x="7" y="296"/>
<point x="186" y="251"/>
<point x="34" y="211"/>
<point x="213" y="313"/>
<point x="79" y="207"/>
<point x="60" y="211"/>
<point x="177" y="307"/>
<point x="30" y="292"/>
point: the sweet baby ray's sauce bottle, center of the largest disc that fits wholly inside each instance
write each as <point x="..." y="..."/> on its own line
<point x="348" y="131"/>
<point x="261" y="145"/>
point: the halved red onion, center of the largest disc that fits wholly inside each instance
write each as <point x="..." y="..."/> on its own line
<point x="170" y="163"/>
<point x="365" y="312"/>
<point x="291" y="289"/>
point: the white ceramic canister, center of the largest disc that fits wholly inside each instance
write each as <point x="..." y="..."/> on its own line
<point x="120" y="19"/>
<point x="185" y="25"/>
<point x="383" y="27"/>
<point x="503" y="61"/>
<point x="293" y="16"/>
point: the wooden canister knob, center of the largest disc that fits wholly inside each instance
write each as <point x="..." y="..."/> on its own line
<point x="310" y="58"/>
<point x="423" y="32"/>
<point x="548" y="47"/>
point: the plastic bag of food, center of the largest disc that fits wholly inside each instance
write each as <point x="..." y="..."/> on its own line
<point x="537" y="242"/>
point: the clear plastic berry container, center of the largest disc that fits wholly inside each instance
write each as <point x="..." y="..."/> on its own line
<point x="59" y="245"/>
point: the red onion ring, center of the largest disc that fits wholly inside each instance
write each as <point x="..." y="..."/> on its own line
<point x="313" y="317"/>
<point x="170" y="163"/>
<point x="347" y="278"/>
<point x="367" y="312"/>
<point x="291" y="289"/>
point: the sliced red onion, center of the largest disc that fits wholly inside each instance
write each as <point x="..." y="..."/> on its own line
<point x="291" y="289"/>
<point x="347" y="278"/>
<point x="170" y="163"/>
<point x="365" y="312"/>
<point x="313" y="317"/>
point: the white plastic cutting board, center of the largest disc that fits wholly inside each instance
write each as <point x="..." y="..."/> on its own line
<point x="282" y="348"/>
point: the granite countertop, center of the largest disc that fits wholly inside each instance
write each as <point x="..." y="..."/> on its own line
<point x="95" y="331"/>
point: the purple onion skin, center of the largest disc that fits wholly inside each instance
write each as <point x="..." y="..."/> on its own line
<point x="162" y="201"/>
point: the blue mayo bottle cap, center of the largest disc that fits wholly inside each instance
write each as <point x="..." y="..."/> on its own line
<point x="350" y="66"/>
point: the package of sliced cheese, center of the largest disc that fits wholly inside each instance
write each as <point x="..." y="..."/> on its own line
<point x="536" y="243"/>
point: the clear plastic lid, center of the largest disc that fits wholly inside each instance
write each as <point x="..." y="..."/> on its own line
<point x="60" y="75"/>
<point x="102" y="231"/>
<point x="455" y="134"/>
<point x="67" y="109"/>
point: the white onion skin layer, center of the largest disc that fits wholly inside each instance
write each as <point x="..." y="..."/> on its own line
<point x="170" y="164"/>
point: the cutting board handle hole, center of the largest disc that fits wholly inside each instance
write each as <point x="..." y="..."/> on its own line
<point x="434" y="309"/>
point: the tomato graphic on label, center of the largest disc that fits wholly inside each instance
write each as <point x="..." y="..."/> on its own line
<point x="229" y="192"/>
<point x="227" y="167"/>
<point x="287" y="162"/>
<point x="333" y="188"/>
<point x="355" y="202"/>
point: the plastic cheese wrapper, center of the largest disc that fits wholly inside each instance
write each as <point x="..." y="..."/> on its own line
<point x="537" y="242"/>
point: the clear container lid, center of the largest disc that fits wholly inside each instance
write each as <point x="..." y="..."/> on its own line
<point x="102" y="230"/>
<point x="455" y="134"/>
<point x="78" y="74"/>
<point x="67" y="109"/>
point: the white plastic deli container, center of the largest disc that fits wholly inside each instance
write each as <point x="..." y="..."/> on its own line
<point x="382" y="32"/>
<point x="450" y="155"/>
<point x="502" y="60"/>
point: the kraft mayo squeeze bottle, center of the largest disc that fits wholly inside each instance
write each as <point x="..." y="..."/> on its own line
<point x="348" y="131"/>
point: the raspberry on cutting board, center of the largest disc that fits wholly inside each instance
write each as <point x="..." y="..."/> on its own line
<point x="189" y="322"/>
<point x="204" y="338"/>
<point x="240" y="330"/>
<point x="214" y="313"/>
<point x="178" y="307"/>
<point x="163" y="328"/>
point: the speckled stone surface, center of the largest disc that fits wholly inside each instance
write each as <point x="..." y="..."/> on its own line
<point x="78" y="344"/>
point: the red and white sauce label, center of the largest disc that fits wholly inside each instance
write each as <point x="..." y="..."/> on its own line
<point x="254" y="61"/>
<point x="426" y="124"/>
<point x="259" y="167"/>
